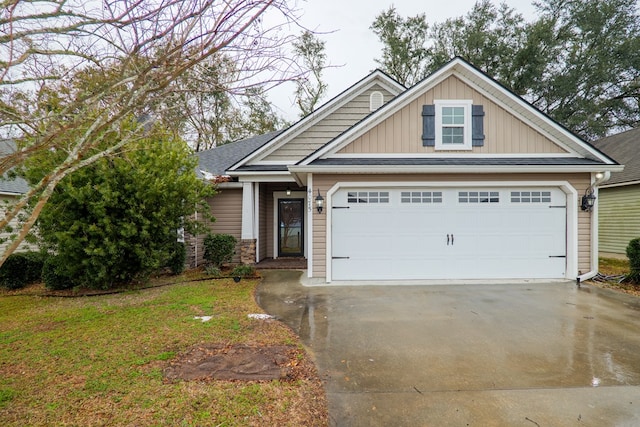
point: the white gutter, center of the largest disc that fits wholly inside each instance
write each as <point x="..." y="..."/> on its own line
<point x="377" y="169"/>
<point x="596" y="181"/>
<point x="621" y="184"/>
<point x="300" y="171"/>
<point x="229" y="184"/>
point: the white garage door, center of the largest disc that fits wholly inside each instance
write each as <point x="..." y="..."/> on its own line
<point x="448" y="233"/>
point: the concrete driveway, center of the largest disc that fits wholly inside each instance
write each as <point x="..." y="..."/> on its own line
<point x="543" y="354"/>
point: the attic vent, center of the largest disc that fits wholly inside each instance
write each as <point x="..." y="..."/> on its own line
<point x="376" y="99"/>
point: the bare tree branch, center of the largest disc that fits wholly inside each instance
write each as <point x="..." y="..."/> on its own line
<point x="72" y="73"/>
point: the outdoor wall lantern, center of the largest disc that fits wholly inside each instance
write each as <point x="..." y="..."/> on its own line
<point x="288" y="191"/>
<point x="588" y="200"/>
<point x="319" y="202"/>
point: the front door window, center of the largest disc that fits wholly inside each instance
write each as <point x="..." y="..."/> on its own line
<point x="290" y="227"/>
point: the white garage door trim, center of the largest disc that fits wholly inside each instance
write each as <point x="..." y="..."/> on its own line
<point x="572" y="209"/>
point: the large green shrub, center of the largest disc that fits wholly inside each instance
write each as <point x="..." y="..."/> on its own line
<point x="21" y="269"/>
<point x="54" y="274"/>
<point x="633" y="253"/>
<point x="116" y="221"/>
<point x="219" y="248"/>
<point x="177" y="258"/>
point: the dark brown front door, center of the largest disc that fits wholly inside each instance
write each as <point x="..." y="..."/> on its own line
<point x="290" y="227"/>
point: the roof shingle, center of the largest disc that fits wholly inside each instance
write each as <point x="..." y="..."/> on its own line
<point x="624" y="148"/>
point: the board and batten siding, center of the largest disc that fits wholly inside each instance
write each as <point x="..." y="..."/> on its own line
<point x="327" y="129"/>
<point x="324" y="182"/>
<point x="402" y="132"/>
<point x="619" y="217"/>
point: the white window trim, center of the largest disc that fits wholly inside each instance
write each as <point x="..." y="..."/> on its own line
<point x="466" y="103"/>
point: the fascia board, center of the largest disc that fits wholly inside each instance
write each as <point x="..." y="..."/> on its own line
<point x="306" y="123"/>
<point x="449" y="155"/>
<point x="509" y="101"/>
<point x="480" y="82"/>
<point x="264" y="177"/>
<point x="320" y="114"/>
<point x="376" y="118"/>
<point x="525" y="110"/>
<point x="462" y="169"/>
<point x="231" y="184"/>
<point x="619" y="184"/>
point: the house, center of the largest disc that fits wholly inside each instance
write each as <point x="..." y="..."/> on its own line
<point x="453" y="178"/>
<point x="11" y="189"/>
<point x="619" y="198"/>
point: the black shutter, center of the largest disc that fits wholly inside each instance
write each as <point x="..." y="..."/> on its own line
<point x="429" y="125"/>
<point x="477" y="126"/>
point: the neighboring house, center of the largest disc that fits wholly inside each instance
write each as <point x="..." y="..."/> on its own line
<point x="619" y="198"/>
<point x="454" y="178"/>
<point x="11" y="189"/>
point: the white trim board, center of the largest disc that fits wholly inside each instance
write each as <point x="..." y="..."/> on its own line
<point x="484" y="85"/>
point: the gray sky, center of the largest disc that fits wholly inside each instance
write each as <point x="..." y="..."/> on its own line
<point x="352" y="46"/>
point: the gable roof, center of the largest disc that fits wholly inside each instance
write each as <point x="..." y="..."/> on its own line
<point x="375" y="77"/>
<point x="489" y="88"/>
<point x="10" y="186"/>
<point x="624" y="148"/>
<point x="217" y="160"/>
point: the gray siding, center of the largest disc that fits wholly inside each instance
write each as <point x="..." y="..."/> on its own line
<point x="327" y="129"/>
<point x="619" y="217"/>
<point x="226" y="207"/>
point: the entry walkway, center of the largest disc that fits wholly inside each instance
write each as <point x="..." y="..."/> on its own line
<point x="471" y="355"/>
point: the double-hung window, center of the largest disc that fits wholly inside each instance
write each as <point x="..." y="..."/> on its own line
<point x="453" y="125"/>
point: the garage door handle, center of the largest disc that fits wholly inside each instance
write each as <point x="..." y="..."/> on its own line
<point x="452" y="240"/>
<point x="449" y="239"/>
<point x="339" y="257"/>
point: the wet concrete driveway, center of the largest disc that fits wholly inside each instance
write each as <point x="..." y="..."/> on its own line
<point x="544" y="354"/>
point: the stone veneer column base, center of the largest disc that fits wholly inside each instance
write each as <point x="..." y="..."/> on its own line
<point x="248" y="251"/>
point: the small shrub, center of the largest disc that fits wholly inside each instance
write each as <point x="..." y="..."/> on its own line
<point x="53" y="274"/>
<point x="213" y="271"/>
<point x="244" y="271"/>
<point x="21" y="269"/>
<point x="219" y="248"/>
<point x="633" y="253"/>
<point x="177" y="258"/>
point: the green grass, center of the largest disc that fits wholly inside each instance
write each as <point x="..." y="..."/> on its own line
<point x="99" y="360"/>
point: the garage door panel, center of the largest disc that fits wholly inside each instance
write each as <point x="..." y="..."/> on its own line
<point x="449" y="234"/>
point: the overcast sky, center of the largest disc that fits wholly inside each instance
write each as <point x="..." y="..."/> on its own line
<point x="352" y="45"/>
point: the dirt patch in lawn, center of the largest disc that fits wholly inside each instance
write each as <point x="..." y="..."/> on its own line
<point x="240" y="362"/>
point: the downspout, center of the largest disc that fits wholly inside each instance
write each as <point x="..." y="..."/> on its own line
<point x="594" y="227"/>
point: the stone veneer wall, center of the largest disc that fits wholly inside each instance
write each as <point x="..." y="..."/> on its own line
<point x="248" y="251"/>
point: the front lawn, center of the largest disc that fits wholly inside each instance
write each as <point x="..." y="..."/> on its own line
<point x="100" y="360"/>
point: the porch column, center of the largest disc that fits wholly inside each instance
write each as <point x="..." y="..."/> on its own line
<point x="247" y="234"/>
